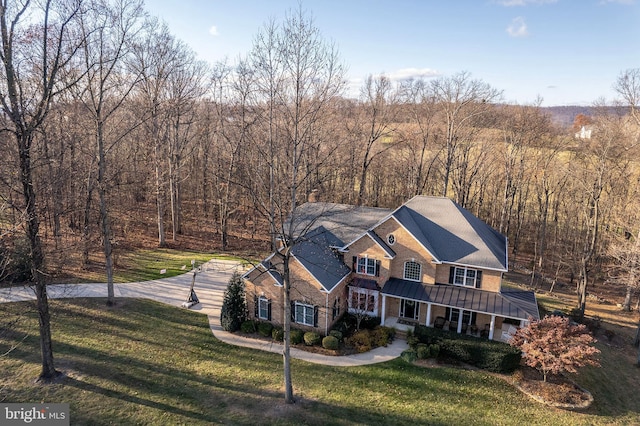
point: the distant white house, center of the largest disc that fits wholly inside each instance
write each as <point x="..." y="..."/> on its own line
<point x="584" y="133"/>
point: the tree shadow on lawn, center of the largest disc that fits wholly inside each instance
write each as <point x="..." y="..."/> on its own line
<point x="214" y="400"/>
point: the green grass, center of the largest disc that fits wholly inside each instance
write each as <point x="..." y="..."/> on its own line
<point x="146" y="363"/>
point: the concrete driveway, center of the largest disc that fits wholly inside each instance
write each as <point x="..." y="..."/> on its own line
<point x="210" y="285"/>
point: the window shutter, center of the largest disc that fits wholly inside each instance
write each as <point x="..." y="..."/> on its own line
<point x="377" y="268"/>
<point x="293" y="311"/>
<point x="256" y="306"/>
<point x="452" y="271"/>
<point x="479" y="279"/>
<point x="354" y="266"/>
<point x="474" y="316"/>
<point x="269" y="310"/>
<point x="315" y="316"/>
<point x="447" y="314"/>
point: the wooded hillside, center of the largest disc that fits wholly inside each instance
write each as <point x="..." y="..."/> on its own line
<point x="142" y="143"/>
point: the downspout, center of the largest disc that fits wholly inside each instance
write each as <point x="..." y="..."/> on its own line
<point x="326" y="315"/>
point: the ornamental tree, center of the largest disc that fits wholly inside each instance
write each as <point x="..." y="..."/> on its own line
<point x="554" y="345"/>
<point x="234" y="306"/>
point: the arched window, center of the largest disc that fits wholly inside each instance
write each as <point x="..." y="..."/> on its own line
<point x="412" y="271"/>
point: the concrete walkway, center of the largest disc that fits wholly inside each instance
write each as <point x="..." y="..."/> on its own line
<point x="210" y="285"/>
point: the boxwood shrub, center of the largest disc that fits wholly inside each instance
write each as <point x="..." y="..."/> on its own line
<point x="337" y="334"/>
<point x="409" y="355"/>
<point x="311" y="338"/>
<point x="277" y="334"/>
<point x="248" y="326"/>
<point x="330" y="342"/>
<point x="296" y="336"/>
<point x="265" y="329"/>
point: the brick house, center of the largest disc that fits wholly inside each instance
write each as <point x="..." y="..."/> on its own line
<point x="427" y="262"/>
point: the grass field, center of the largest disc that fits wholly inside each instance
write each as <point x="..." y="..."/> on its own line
<point x="146" y="363"/>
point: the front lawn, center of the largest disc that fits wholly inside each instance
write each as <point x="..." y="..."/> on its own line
<point x="142" y="362"/>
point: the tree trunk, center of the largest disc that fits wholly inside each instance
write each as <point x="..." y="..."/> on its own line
<point x="286" y="353"/>
<point x="626" y="305"/>
<point x="48" y="371"/>
<point x="159" y="196"/>
<point x="104" y="215"/>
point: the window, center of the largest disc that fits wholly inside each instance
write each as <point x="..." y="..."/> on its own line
<point x="363" y="300"/>
<point x="264" y="308"/>
<point x="391" y="239"/>
<point x="367" y="266"/>
<point x="466" y="277"/>
<point x="336" y="308"/>
<point x="453" y="314"/>
<point x="304" y="314"/>
<point x="412" y="271"/>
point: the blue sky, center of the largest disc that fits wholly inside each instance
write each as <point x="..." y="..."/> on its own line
<point x="568" y="52"/>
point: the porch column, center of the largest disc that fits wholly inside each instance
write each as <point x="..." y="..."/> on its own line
<point x="459" y="330"/>
<point x="384" y="309"/>
<point x="428" y="314"/>
<point x="523" y="323"/>
<point x="492" y="327"/>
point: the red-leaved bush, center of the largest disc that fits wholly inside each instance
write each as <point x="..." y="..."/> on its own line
<point x="553" y="345"/>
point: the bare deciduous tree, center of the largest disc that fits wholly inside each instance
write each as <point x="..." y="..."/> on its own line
<point x="38" y="41"/>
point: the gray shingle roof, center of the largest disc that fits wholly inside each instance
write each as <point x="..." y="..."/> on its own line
<point x="343" y="221"/>
<point x="315" y="254"/>
<point x="452" y="234"/>
<point x="514" y="304"/>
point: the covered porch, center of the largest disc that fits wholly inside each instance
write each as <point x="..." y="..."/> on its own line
<point x="471" y="311"/>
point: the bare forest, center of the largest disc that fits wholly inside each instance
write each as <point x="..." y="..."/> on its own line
<point x="116" y="136"/>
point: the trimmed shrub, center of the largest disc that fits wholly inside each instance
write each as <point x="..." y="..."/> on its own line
<point x="330" y="342"/>
<point x="311" y="338"/>
<point x="369" y="323"/>
<point x="383" y="336"/>
<point x="277" y="334"/>
<point x="361" y="341"/>
<point x="337" y="334"/>
<point x="409" y="355"/>
<point x="423" y="351"/>
<point x="430" y="335"/>
<point x="295" y="336"/>
<point x="497" y="357"/>
<point x="434" y="350"/>
<point x="248" y="327"/>
<point x="265" y="329"/>
<point x="412" y="341"/>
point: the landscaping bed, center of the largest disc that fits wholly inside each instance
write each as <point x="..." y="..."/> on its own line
<point x="343" y="339"/>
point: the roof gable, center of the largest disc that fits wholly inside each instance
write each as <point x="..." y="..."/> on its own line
<point x="452" y="234"/>
<point x="322" y="263"/>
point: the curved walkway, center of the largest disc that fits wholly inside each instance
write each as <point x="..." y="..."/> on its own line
<point x="210" y="285"/>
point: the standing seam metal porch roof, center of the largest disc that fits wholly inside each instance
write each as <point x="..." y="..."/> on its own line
<point x="511" y="304"/>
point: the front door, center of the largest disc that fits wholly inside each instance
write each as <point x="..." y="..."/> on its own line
<point x="409" y="309"/>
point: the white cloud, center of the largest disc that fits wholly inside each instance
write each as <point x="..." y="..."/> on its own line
<point x="409" y="73"/>
<point x="213" y="30"/>
<point x="518" y="27"/>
